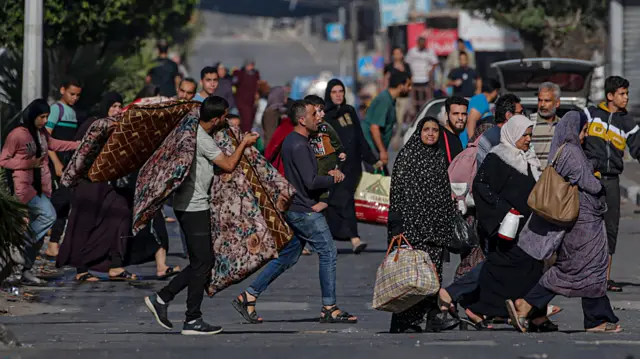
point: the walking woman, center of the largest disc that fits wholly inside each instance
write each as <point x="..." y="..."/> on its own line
<point x="581" y="267"/>
<point x="98" y="234"/>
<point x="503" y="183"/>
<point x="422" y="209"/>
<point x="25" y="153"/>
<point x="225" y="87"/>
<point x="276" y="109"/>
<point x="341" y="213"/>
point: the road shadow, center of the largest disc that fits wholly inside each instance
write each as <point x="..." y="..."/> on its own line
<point x="224" y="332"/>
<point x="304" y="320"/>
<point x="55" y="323"/>
<point x="149" y="333"/>
<point x="627" y="284"/>
<point x="350" y="251"/>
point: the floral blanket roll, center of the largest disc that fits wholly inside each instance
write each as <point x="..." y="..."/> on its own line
<point x="243" y="233"/>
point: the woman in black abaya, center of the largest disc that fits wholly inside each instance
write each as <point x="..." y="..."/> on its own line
<point x="423" y="211"/>
<point x="341" y="213"/>
<point x="98" y="234"/>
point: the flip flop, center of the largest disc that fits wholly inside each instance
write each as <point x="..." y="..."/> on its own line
<point x="85" y="278"/>
<point x="124" y="276"/>
<point x="359" y="248"/>
<point x="613" y="287"/>
<point x="608" y="328"/>
<point x="170" y="272"/>
<point x="519" y="323"/>
<point x="553" y="310"/>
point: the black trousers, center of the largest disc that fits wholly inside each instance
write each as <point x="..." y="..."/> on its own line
<point x="612" y="216"/>
<point x="597" y="311"/>
<point x="197" y="231"/>
<point x="61" y="201"/>
<point x="465" y="289"/>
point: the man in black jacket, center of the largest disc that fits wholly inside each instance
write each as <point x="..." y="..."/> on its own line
<point x="449" y="141"/>
<point x="611" y="130"/>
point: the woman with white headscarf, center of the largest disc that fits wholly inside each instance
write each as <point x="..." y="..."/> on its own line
<point x="503" y="184"/>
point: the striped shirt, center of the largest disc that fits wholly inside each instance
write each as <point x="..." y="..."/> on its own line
<point x="61" y="115"/>
<point x="542" y="137"/>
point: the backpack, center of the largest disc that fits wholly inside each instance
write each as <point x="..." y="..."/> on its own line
<point x="462" y="171"/>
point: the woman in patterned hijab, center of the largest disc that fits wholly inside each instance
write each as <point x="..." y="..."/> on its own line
<point x="422" y="209"/>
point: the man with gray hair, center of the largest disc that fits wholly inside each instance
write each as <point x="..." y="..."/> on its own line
<point x="545" y="119"/>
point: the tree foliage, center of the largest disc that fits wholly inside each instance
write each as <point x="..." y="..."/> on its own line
<point x="98" y="41"/>
<point x="73" y="23"/>
<point x="544" y="24"/>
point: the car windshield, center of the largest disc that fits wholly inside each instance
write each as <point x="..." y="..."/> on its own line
<point x="515" y="79"/>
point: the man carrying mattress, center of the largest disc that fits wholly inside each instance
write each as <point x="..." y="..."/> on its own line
<point x="192" y="206"/>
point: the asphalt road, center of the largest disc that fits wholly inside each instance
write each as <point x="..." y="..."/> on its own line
<point x="108" y="320"/>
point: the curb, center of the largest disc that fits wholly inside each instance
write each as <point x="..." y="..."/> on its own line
<point x="630" y="190"/>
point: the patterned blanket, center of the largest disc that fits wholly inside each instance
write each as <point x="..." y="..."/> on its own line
<point x="247" y="230"/>
<point x="165" y="170"/>
<point x="135" y="138"/>
<point x="84" y="157"/>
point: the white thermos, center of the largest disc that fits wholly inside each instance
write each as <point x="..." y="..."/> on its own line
<point x="509" y="226"/>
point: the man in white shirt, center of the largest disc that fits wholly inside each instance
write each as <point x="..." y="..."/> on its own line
<point x="191" y="203"/>
<point x="423" y="62"/>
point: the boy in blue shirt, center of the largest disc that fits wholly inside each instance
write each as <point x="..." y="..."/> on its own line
<point x="62" y="124"/>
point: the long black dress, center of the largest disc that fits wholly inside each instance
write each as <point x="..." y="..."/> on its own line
<point x="98" y="234"/>
<point x="508" y="272"/>
<point x="341" y="213"/>
<point x="423" y="210"/>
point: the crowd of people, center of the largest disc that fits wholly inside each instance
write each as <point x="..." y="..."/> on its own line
<point x="320" y="146"/>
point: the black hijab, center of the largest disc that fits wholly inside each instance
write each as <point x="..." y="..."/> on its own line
<point x="108" y="99"/>
<point x="421" y="202"/>
<point x="29" y="115"/>
<point x="329" y="106"/>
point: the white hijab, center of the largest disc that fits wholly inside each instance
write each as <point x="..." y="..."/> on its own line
<point x="510" y="133"/>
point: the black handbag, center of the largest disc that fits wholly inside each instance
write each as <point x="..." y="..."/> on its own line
<point x="464" y="235"/>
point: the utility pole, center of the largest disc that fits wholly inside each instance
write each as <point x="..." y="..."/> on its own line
<point x="616" y="33"/>
<point x="342" y="19"/>
<point x="354" y="44"/>
<point x="32" y="53"/>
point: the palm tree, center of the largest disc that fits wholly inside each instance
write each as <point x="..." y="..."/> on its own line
<point x="13" y="226"/>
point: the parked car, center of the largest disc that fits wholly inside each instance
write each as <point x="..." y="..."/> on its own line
<point x="522" y="78"/>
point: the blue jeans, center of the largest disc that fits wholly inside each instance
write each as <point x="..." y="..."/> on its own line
<point x="309" y="228"/>
<point x="42" y="216"/>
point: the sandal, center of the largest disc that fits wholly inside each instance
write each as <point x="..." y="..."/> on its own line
<point x="341" y="318"/>
<point x="124" y="276"/>
<point x="613" y="287"/>
<point x="545" y="327"/>
<point x="519" y="323"/>
<point x="608" y="328"/>
<point x="468" y="324"/>
<point x="86" y="278"/>
<point x="553" y="310"/>
<point x="451" y="308"/>
<point x="170" y="272"/>
<point x="242" y="308"/>
<point x="359" y="248"/>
